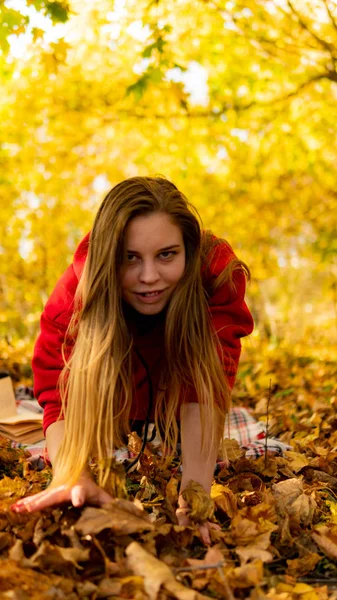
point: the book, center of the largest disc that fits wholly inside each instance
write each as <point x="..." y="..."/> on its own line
<point x="17" y="422"/>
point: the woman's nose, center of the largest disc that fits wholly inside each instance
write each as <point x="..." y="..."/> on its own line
<point x="149" y="273"/>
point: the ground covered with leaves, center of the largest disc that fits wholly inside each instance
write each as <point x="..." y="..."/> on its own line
<point x="278" y="515"/>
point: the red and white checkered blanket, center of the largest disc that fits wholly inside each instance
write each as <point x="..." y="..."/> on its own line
<point x="240" y="426"/>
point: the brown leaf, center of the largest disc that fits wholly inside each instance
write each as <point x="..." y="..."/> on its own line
<point x="172" y="491"/>
<point x="326" y="538"/>
<point x="285" y="493"/>
<point x="266" y="466"/>
<point x="248" y="575"/>
<point x="5" y="540"/>
<point x="109" y="587"/>
<point x="251" y="553"/>
<point x="122" y="516"/>
<point x="303" y="509"/>
<point x="156" y="574"/>
<point x="200" y="503"/>
<point x="301" y="566"/>
<point x="16" y="552"/>
<point x="55" y="557"/>
<point x="244" y="482"/>
<point x="256" y="549"/>
<point x="230" y="450"/>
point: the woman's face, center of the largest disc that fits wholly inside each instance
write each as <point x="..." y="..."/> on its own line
<point x="154" y="262"/>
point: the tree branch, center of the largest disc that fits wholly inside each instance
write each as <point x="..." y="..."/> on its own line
<point x="326" y="45"/>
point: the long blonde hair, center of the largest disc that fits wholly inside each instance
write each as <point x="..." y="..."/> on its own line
<point x="96" y="382"/>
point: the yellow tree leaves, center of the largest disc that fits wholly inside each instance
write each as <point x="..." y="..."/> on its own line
<point x="228" y="103"/>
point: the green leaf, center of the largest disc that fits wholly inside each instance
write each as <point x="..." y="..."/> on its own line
<point x="157" y="45"/>
<point x="58" y="11"/>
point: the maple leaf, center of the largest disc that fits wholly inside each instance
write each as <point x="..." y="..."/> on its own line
<point x="296" y="461"/>
<point x="224" y="499"/>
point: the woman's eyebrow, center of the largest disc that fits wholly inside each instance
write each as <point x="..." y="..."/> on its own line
<point x="160" y="249"/>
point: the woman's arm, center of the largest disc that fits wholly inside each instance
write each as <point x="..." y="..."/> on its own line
<point x="196" y="466"/>
<point x="85" y="490"/>
<point x="54" y="436"/>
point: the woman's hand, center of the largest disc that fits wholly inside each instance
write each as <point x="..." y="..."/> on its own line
<point x="204" y="528"/>
<point x="86" y="490"/>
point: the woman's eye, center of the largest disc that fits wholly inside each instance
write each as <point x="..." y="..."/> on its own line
<point x="168" y="254"/>
<point x="131" y="258"/>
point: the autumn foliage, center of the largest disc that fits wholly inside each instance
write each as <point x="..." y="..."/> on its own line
<point x="236" y="103"/>
<point x="278" y="515"/>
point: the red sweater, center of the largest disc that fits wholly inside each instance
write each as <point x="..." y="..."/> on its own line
<point x="229" y="314"/>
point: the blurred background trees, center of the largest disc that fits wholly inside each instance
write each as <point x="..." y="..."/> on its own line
<point x="234" y="101"/>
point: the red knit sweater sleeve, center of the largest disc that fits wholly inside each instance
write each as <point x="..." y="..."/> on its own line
<point x="47" y="358"/>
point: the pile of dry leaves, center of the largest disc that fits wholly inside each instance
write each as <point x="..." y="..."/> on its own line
<point x="278" y="515"/>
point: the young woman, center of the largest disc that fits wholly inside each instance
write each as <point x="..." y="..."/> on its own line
<point x="144" y="325"/>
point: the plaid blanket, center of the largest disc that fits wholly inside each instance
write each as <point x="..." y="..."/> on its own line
<point x="240" y="426"/>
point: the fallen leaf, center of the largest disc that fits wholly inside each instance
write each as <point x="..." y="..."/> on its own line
<point x="171" y="492"/>
<point x="296" y="460"/>
<point x="224" y="499"/>
<point x="303" y="509"/>
<point x="248" y="575"/>
<point x="230" y="450"/>
<point x="109" y="587"/>
<point x="52" y="556"/>
<point x="286" y="492"/>
<point x="121" y="516"/>
<point x="251" y="553"/>
<point x="245" y="482"/>
<point x="200" y="503"/>
<point x="326" y="538"/>
<point x="156" y="574"/>
<point x="301" y="566"/>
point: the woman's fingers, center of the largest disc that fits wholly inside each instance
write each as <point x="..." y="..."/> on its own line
<point x="182" y="515"/>
<point x="103" y="497"/>
<point x="42" y="500"/>
<point x="204" y="528"/>
<point x="204" y="532"/>
<point x="77" y="495"/>
<point x="214" y="526"/>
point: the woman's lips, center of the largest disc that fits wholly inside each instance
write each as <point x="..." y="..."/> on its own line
<point x="150" y="297"/>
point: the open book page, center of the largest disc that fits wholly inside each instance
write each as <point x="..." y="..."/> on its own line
<point x="7" y="398"/>
<point x="22" y="415"/>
